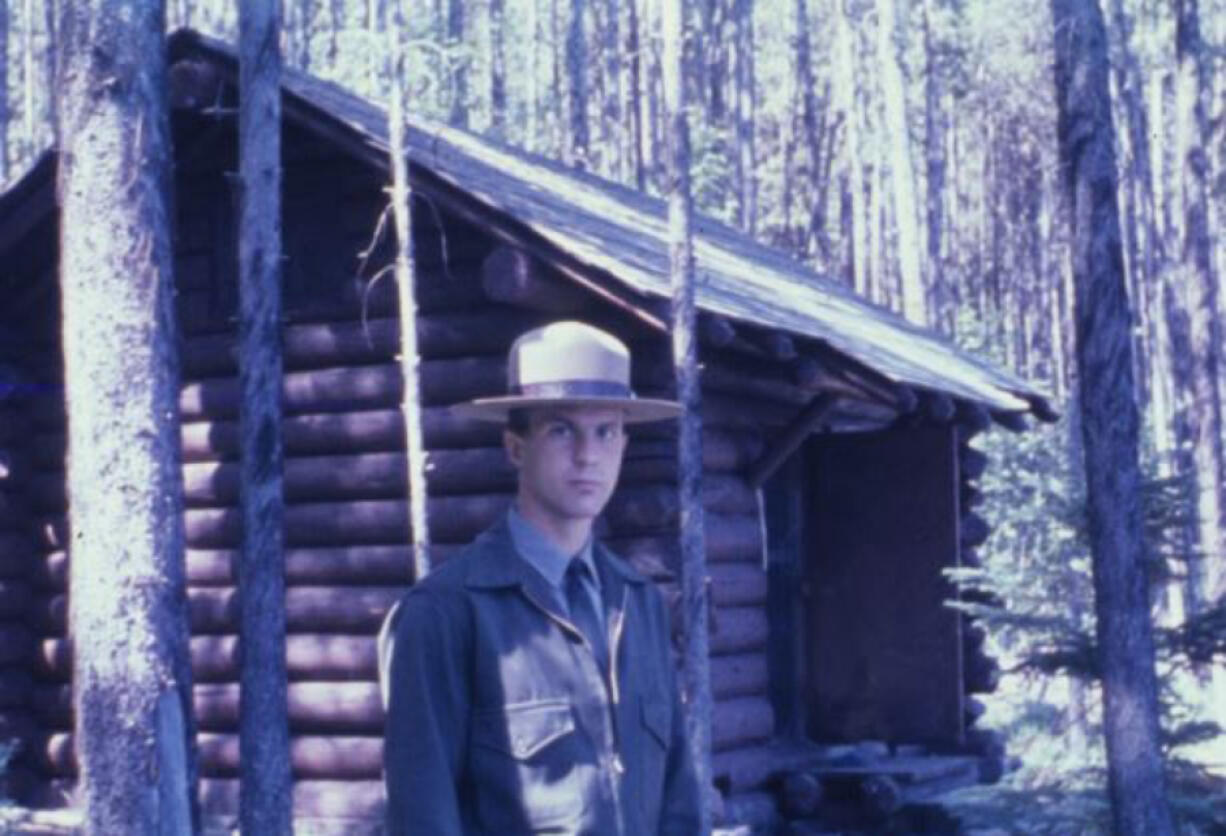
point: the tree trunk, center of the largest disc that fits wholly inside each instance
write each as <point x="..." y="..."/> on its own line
<point x="410" y="358"/>
<point x="576" y="76"/>
<point x="612" y="128"/>
<point x="265" y="800"/>
<point x="132" y="677"/>
<point x="1109" y="424"/>
<point x="28" y="116"/>
<point x="459" y="62"/>
<point x="635" y="102"/>
<point x="1203" y="303"/>
<point x="847" y="90"/>
<point x="696" y="675"/>
<point x="4" y="92"/>
<point x="498" y="70"/>
<point x="941" y="311"/>
<point x="902" y="172"/>
<point x="746" y="119"/>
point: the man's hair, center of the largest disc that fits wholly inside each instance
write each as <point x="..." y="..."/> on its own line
<point x="519" y="422"/>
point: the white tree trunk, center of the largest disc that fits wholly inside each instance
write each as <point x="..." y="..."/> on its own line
<point x="902" y="171"/>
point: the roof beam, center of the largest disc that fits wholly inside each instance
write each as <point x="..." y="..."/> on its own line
<point x="793" y="436"/>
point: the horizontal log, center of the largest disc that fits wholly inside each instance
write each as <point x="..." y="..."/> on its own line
<point x="757" y="765"/>
<point x="740" y="722"/>
<point x="744" y="674"/>
<point x="15" y="687"/>
<point x="318" y="345"/>
<point x="443" y="382"/>
<point x="17" y="644"/>
<point x="729" y="584"/>
<point x="331" y="757"/>
<point x="360" y="801"/>
<point x="453" y="519"/>
<point x="972" y="418"/>
<point x="343" y="707"/>
<point x="972" y="463"/>
<point x="380" y="430"/>
<point x="738" y="630"/>
<point x="513" y="277"/>
<point x="311" y="657"/>
<point x="729" y="537"/>
<point x="974" y="531"/>
<point x="1011" y="421"/>
<point x="382" y="475"/>
<point x="352" y="609"/>
<point x="354" y="565"/>
<point x="16" y="598"/>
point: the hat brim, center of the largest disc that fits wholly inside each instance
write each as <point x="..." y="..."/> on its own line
<point x="637" y="410"/>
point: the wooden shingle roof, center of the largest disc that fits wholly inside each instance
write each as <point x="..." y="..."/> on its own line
<point x="609" y="230"/>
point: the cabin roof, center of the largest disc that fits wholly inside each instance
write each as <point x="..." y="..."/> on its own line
<point x="614" y="239"/>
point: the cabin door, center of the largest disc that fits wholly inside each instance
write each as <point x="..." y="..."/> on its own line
<point x="884" y="659"/>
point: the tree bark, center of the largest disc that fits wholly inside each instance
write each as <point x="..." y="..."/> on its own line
<point x="498" y="69"/>
<point x="265" y="796"/>
<point x="132" y="677"/>
<point x="1202" y="300"/>
<point x="576" y="75"/>
<point x="459" y="72"/>
<point x="4" y="92"/>
<point x="634" y="105"/>
<point x="746" y="119"/>
<point x="410" y="358"/>
<point x="902" y="172"/>
<point x="1110" y="424"/>
<point x="941" y="312"/>
<point x="696" y="674"/>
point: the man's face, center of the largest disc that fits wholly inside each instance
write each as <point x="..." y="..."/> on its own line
<point x="568" y="462"/>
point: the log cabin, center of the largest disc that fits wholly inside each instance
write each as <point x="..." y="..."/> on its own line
<point x="839" y="478"/>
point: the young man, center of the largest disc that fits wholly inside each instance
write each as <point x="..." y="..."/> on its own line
<point x="530" y="684"/>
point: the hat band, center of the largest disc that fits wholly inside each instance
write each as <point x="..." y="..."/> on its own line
<point x="562" y="389"/>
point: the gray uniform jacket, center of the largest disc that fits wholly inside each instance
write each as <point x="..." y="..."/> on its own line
<point x="499" y="720"/>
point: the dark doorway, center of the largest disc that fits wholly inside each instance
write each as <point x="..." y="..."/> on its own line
<point x="884" y="657"/>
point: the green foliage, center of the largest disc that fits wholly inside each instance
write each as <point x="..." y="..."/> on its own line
<point x="1033" y="595"/>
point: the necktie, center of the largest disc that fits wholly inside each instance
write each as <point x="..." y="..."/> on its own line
<point x="583" y="612"/>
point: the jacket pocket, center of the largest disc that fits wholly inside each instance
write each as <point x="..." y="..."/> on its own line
<point x="525" y="759"/>
<point x="522" y="730"/>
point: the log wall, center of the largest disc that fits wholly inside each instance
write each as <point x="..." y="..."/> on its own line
<point x="347" y="527"/>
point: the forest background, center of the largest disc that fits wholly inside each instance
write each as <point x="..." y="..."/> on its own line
<point x="906" y="148"/>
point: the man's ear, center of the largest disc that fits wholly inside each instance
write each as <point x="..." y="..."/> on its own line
<point x="514" y="445"/>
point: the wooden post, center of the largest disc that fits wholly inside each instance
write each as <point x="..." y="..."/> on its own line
<point x="695" y="660"/>
<point x="265" y="793"/>
<point x="410" y="361"/>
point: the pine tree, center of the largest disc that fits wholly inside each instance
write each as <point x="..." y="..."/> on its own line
<point x="128" y="611"/>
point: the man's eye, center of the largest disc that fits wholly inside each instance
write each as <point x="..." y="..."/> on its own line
<point x="557" y="431"/>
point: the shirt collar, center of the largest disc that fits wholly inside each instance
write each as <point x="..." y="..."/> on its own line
<point x="539" y="552"/>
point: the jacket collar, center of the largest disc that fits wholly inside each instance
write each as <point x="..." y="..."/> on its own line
<point x="495" y="563"/>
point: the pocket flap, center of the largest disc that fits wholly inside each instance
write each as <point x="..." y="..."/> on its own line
<point x="656" y="719"/>
<point x="523" y="729"/>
